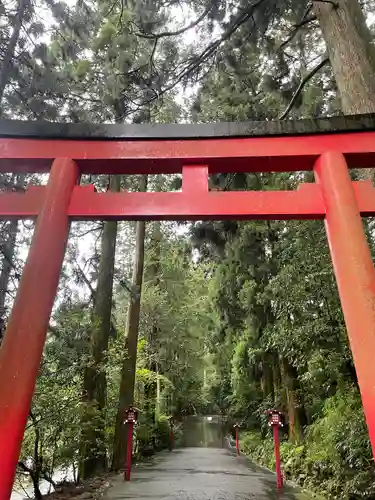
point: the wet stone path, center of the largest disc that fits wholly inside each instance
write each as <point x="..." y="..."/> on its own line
<point x="200" y="474"/>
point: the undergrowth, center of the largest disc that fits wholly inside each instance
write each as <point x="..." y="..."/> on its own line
<point x="335" y="458"/>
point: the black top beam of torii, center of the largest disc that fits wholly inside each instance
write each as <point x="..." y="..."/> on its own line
<point x="89" y="131"/>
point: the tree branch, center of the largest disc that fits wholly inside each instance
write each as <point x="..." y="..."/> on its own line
<point x="85" y="280"/>
<point x="30" y="472"/>
<point x="48" y="478"/>
<point x="24" y="467"/>
<point x="242" y="17"/>
<point x="177" y="32"/>
<point x="301" y="86"/>
<point x="151" y="60"/>
<point x="335" y="5"/>
<point x="10" y="262"/>
<point x="296" y="29"/>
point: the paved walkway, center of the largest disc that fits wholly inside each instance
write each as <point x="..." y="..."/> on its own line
<point x="200" y="474"/>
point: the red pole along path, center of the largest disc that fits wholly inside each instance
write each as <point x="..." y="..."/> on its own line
<point x="24" y="339"/>
<point x="279" y="477"/>
<point x="354" y="269"/>
<point x="129" y="451"/>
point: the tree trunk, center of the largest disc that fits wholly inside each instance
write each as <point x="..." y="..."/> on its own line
<point x="8" y="257"/>
<point x="154" y="277"/>
<point x="8" y="251"/>
<point x="93" y="448"/>
<point x="267" y="377"/>
<point x="37" y="493"/>
<point x="350" y="50"/>
<point x="128" y="371"/>
<point x="37" y="461"/>
<point x="296" y="410"/>
<point x="276" y="380"/>
<point x="158" y="395"/>
<point x="11" y="47"/>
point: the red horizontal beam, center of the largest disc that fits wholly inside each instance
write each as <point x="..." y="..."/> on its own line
<point x="365" y="194"/>
<point x="289" y="153"/>
<point x="86" y="204"/>
<point x="305" y="203"/>
<point x="22" y="205"/>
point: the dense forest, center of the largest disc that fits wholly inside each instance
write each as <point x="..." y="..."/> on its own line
<point x="230" y="318"/>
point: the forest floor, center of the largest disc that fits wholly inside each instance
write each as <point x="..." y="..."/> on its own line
<point x="200" y="474"/>
<point x="92" y="489"/>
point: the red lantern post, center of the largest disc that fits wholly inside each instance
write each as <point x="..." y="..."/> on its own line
<point x="131" y="415"/>
<point x="236" y="426"/>
<point x="275" y="420"/>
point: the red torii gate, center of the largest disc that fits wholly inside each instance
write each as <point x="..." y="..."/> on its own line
<point x="327" y="146"/>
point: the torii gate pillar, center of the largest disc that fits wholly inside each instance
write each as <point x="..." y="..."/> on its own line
<point x="354" y="270"/>
<point x="23" y="343"/>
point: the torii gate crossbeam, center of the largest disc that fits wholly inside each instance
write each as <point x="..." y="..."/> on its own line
<point x="328" y="147"/>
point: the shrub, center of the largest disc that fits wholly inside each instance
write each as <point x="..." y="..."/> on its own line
<point x="338" y="452"/>
<point x="151" y="438"/>
<point x="261" y="451"/>
<point x="162" y="433"/>
<point x="335" y="459"/>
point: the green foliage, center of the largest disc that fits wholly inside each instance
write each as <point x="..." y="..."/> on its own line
<point x="151" y="438"/>
<point x="251" y="443"/>
<point x="338" y="448"/>
<point x="52" y="435"/>
<point x="176" y="303"/>
<point x="335" y="459"/>
<point x="162" y="433"/>
<point x="144" y="440"/>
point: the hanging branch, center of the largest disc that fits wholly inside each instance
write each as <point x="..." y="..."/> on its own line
<point x="301" y="86"/>
<point x="87" y="282"/>
<point x="335" y="5"/>
<point x="242" y="17"/>
<point x="177" y="32"/>
<point x="296" y="28"/>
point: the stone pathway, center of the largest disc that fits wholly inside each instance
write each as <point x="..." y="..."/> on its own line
<point x="200" y="474"/>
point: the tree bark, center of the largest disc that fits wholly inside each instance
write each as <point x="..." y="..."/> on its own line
<point x="158" y="395"/>
<point x="153" y="274"/>
<point x="8" y="258"/>
<point x="276" y="379"/>
<point x="35" y="471"/>
<point x="267" y="381"/>
<point x="8" y="251"/>
<point x="11" y="47"/>
<point x="296" y="410"/>
<point x="351" y="53"/>
<point x="93" y="448"/>
<point x="128" y="371"/>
